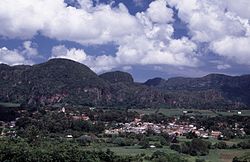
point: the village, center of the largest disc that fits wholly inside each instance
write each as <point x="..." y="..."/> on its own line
<point x="139" y="127"/>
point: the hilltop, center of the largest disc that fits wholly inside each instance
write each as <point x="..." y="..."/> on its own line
<point x="64" y="81"/>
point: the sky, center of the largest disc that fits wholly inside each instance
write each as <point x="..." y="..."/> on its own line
<point x="147" y="38"/>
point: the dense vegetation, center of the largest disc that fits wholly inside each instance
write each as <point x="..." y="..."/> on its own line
<point x="211" y="91"/>
<point x="48" y="134"/>
<point x="17" y="150"/>
<point x="64" y="81"/>
<point x="50" y="151"/>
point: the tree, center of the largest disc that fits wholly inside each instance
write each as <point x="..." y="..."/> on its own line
<point x="191" y="135"/>
<point x="144" y="143"/>
<point x="221" y="145"/>
<point x="199" y="147"/>
<point x="32" y="133"/>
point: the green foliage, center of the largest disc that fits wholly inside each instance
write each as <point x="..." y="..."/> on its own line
<point x="55" y="123"/>
<point x="243" y="158"/>
<point x="120" y="141"/>
<point x="191" y="135"/>
<point x="244" y="144"/>
<point x="64" y="81"/>
<point x="144" y="143"/>
<point x="19" y="151"/>
<point x="159" y="156"/>
<point x="211" y="91"/>
<point x="200" y="160"/>
<point x="197" y="147"/>
<point x="221" y="145"/>
<point x="117" y="76"/>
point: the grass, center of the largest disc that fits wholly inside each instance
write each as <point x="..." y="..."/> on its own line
<point x="178" y="112"/>
<point x="8" y="104"/>
<point x="215" y="155"/>
<point x="213" y="140"/>
<point x="224" y="155"/>
<point x="127" y="150"/>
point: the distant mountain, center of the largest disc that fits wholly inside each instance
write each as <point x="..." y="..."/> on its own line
<point x="61" y="81"/>
<point x="117" y="76"/>
<point x="211" y="91"/>
<point x="65" y="81"/>
<point x="156" y="82"/>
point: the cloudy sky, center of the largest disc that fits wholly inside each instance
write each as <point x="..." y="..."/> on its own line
<point x="147" y="38"/>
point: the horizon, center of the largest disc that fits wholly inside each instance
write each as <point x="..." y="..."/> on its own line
<point x="147" y="38"/>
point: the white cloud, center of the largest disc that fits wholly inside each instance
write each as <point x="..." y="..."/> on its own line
<point x="23" y="55"/>
<point x="159" y="13"/>
<point x="87" y="25"/>
<point x="143" y="39"/>
<point x="98" y="64"/>
<point x="239" y="7"/>
<point x="234" y="48"/>
<point x="206" y="20"/>
<point x="127" y="68"/>
<point x="72" y="54"/>
<point x="153" y="45"/>
<point x="176" y="52"/>
<point x="12" y="57"/>
<point x="179" y="52"/>
<point x="224" y="25"/>
<point x="223" y="66"/>
<point x="29" y="50"/>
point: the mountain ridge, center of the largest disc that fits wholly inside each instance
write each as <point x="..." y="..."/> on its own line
<point x="64" y="81"/>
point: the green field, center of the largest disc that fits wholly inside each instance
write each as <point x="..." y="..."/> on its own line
<point x="224" y="155"/>
<point x="7" y="104"/>
<point x="178" y="112"/>
<point x="213" y="140"/>
<point x="215" y="155"/>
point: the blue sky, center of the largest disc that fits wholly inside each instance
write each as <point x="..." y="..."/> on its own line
<point x="161" y="38"/>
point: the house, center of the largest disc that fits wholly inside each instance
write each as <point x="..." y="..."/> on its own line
<point x="69" y="136"/>
<point x="63" y="110"/>
<point x="80" y="117"/>
<point x="216" y="134"/>
<point x="84" y="117"/>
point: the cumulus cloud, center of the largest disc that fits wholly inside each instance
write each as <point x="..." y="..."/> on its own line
<point x="179" y="52"/>
<point x="142" y="39"/>
<point x="98" y="64"/>
<point x="224" y="25"/>
<point x="235" y="48"/>
<point x="86" y="25"/>
<point x="240" y="7"/>
<point x="158" y="12"/>
<point x="23" y="55"/>
<point x="153" y="45"/>
<point x="206" y="20"/>
<point x="175" y="52"/>
<point x="13" y="57"/>
<point x="29" y="50"/>
<point x="74" y="54"/>
<point x="223" y="66"/>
